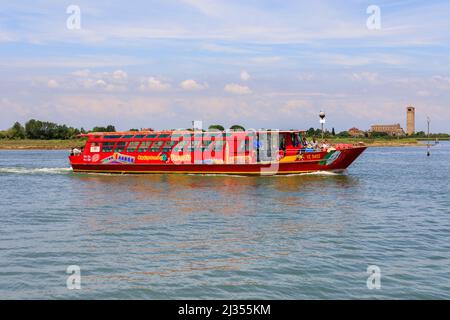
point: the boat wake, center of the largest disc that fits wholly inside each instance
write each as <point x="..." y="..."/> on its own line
<point x="316" y="173"/>
<point x="22" y="170"/>
<point x="65" y="170"/>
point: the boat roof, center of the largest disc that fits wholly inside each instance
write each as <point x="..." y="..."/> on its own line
<point x="121" y="133"/>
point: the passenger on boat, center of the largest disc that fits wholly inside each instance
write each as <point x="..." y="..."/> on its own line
<point x="309" y="147"/>
<point x="314" y="143"/>
<point x="304" y="142"/>
<point x="76" y="152"/>
<point x="325" y="145"/>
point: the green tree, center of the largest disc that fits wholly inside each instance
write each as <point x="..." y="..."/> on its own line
<point x="237" y="127"/>
<point x="216" y="127"/>
<point x="17" y="131"/>
<point x="311" y="132"/>
<point x="420" y="134"/>
<point x="343" y="134"/>
<point x="379" y="135"/>
<point x="35" y="129"/>
<point x="109" y="128"/>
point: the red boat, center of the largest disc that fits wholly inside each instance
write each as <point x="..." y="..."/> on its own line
<point x="263" y="152"/>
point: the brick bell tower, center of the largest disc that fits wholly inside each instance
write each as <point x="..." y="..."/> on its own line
<point x="410" y="120"/>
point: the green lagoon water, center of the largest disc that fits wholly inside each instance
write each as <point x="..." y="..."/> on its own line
<point x="194" y="237"/>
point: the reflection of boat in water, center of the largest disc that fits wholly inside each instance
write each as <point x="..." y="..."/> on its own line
<point x="264" y="152"/>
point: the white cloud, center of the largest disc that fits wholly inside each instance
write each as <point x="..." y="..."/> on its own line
<point x="295" y="106"/>
<point x="71" y="62"/>
<point x="100" y="83"/>
<point x="191" y="85"/>
<point x="154" y="84"/>
<point x="85" y="79"/>
<point x="81" y="73"/>
<point x="441" y="82"/>
<point x="92" y="83"/>
<point x="212" y="47"/>
<point x="88" y="83"/>
<point x="244" y="75"/>
<point x="266" y="60"/>
<point x="119" y="75"/>
<point x="365" y="76"/>
<point x="207" y="7"/>
<point x="237" y="89"/>
<point x="6" y="37"/>
<point x="52" y="84"/>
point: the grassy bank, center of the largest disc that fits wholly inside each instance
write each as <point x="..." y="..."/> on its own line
<point x="41" y="144"/>
<point x="68" y="144"/>
<point x="378" y="142"/>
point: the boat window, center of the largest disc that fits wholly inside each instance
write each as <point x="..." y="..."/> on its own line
<point x="156" y="146"/>
<point x="168" y="146"/>
<point x="176" y="135"/>
<point x="186" y="137"/>
<point x="107" y="146"/>
<point x="297" y="140"/>
<point x="128" y="136"/>
<point x="206" y="143"/>
<point x="198" y="135"/>
<point x="180" y="146"/>
<point x="164" y="135"/>
<point x="144" y="146"/>
<point x="151" y="136"/>
<point x="139" y="136"/>
<point x="218" y="145"/>
<point x="132" y="146"/>
<point x="196" y="146"/>
<point x="244" y="145"/>
<point x="111" y="137"/>
<point x="120" y="146"/>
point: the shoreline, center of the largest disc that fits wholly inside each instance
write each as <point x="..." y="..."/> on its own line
<point x="68" y="144"/>
<point x="41" y="144"/>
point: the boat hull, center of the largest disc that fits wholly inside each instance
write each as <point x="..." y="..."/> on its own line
<point x="346" y="157"/>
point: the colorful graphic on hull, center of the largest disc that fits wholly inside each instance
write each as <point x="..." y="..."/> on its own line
<point x="118" y="158"/>
<point x="330" y="158"/>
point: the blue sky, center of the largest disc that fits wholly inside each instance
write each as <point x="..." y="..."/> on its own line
<point x="262" y="63"/>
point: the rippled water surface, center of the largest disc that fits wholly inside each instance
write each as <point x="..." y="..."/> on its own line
<point x="182" y="236"/>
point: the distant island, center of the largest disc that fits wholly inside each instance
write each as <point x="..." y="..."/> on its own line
<point x="36" y="134"/>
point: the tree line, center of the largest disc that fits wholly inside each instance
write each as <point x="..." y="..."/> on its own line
<point x="44" y="130"/>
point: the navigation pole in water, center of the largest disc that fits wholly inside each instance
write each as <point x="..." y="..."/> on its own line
<point x="428" y="136"/>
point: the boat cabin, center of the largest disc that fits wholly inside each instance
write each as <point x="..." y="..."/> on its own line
<point x="194" y="147"/>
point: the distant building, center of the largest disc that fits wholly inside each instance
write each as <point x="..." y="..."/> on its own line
<point x="410" y="120"/>
<point x="390" y="129"/>
<point x="355" y="132"/>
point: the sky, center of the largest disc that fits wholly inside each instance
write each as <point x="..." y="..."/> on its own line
<point x="261" y="64"/>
